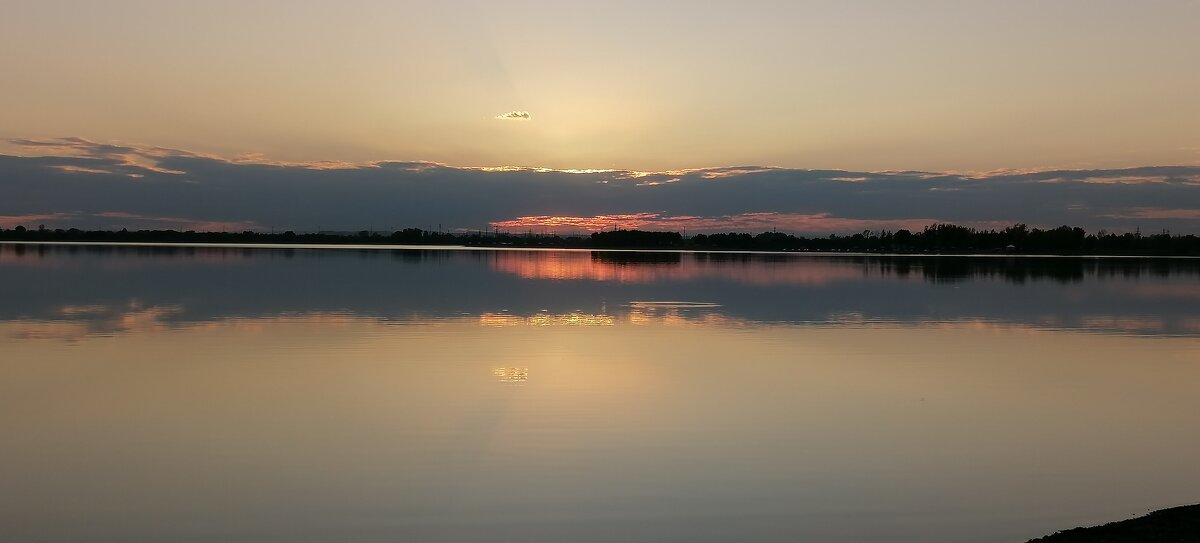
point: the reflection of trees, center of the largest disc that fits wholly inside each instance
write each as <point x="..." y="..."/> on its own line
<point x="639" y="267"/>
<point x="19" y="252"/>
<point x="635" y="258"/>
<point x="1063" y="270"/>
<point x="627" y="267"/>
<point x="1016" y="270"/>
<point x="744" y="258"/>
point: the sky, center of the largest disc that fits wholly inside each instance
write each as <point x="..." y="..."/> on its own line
<point x="963" y="90"/>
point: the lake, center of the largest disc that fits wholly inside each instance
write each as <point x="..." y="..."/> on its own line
<point x="242" y="394"/>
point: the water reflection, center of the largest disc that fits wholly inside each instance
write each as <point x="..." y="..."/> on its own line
<point x="640" y="267"/>
<point x="328" y="427"/>
<point x="239" y="394"/>
<point x="69" y="290"/>
<point x="511" y="375"/>
<point x="574" y="318"/>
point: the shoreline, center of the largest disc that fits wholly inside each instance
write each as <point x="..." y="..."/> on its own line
<point x="432" y="247"/>
<point x="1171" y="525"/>
<point x="937" y="239"/>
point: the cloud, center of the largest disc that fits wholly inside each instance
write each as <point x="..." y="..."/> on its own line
<point x="31" y="220"/>
<point x="67" y="168"/>
<point x="119" y="156"/>
<point x="115" y="220"/>
<point x="1156" y="213"/>
<point x="136" y="221"/>
<point x="745" y="222"/>
<point x="80" y="183"/>
<point x="514" y="116"/>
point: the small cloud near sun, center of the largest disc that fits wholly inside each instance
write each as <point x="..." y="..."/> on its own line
<point x="514" y="115"/>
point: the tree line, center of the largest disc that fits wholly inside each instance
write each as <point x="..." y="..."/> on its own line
<point x="933" y="239"/>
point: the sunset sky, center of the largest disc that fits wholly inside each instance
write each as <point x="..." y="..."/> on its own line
<point x="262" y="97"/>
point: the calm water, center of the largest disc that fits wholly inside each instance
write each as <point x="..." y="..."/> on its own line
<point x="257" y="395"/>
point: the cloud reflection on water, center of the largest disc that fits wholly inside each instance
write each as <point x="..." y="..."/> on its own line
<point x="634" y="267"/>
<point x="74" y="291"/>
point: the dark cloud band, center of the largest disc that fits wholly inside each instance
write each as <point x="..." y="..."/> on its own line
<point x="75" y="182"/>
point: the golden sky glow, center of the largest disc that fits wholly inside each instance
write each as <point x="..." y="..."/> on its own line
<point x="933" y="85"/>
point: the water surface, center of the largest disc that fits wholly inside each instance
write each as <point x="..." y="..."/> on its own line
<point x="243" y="394"/>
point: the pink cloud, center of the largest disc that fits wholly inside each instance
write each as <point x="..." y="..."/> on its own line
<point x="745" y="222"/>
<point x="32" y="220"/>
<point x="1156" y="213"/>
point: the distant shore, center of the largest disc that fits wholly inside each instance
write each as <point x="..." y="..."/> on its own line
<point x="538" y="248"/>
<point x="1173" y="525"/>
<point x="938" y="239"/>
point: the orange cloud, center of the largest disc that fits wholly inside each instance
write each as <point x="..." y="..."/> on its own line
<point x="745" y="222"/>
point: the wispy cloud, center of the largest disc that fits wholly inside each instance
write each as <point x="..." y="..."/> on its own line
<point x="179" y="223"/>
<point x="515" y="116"/>
<point x="68" y="168"/>
<point x="744" y="222"/>
<point x="135" y="157"/>
<point x="1156" y="213"/>
<point x="122" y="219"/>
<point x="30" y="220"/>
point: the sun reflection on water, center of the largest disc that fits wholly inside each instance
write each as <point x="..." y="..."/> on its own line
<point x="511" y="375"/>
<point x="574" y="318"/>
